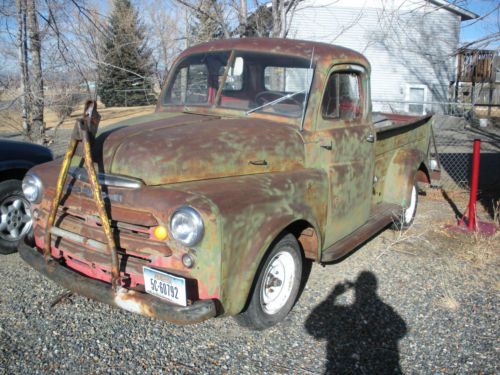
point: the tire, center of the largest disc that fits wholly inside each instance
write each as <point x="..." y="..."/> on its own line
<point x="270" y="304"/>
<point x="405" y="219"/>
<point x="15" y="216"/>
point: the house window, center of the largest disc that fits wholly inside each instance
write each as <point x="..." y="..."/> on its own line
<point x="342" y="99"/>
<point x="416" y="97"/>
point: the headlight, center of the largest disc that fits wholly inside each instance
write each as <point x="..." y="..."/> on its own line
<point x="32" y="188"/>
<point x="186" y="226"/>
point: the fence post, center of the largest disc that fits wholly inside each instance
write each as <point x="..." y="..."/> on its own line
<point x="474" y="184"/>
<point x="473" y="224"/>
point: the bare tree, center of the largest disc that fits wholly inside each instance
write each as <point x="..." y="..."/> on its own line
<point x="233" y="19"/>
<point x="22" y="43"/>
<point x="165" y="34"/>
<point x="36" y="68"/>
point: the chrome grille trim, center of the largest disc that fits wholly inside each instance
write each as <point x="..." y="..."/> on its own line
<point x="107" y="179"/>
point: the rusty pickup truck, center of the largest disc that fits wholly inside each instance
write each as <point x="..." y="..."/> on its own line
<point x="262" y="156"/>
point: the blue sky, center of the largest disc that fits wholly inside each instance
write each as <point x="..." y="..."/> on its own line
<point x="473" y="30"/>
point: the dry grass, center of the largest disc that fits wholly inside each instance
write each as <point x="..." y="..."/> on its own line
<point x="478" y="250"/>
<point x="449" y="302"/>
<point x="11" y="118"/>
<point x="471" y="258"/>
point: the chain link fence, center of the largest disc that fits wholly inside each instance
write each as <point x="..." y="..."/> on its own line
<point x="454" y="134"/>
<point x="454" y="138"/>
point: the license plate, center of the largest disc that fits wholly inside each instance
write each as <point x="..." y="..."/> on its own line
<point x="166" y="286"/>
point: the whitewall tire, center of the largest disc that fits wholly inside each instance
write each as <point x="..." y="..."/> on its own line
<point x="277" y="286"/>
<point x="405" y="219"/>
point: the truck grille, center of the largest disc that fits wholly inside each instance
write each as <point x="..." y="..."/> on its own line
<point x="131" y="239"/>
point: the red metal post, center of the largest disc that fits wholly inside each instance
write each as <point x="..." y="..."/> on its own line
<point x="473" y="184"/>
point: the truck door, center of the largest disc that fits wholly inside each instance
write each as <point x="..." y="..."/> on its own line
<point x="347" y="135"/>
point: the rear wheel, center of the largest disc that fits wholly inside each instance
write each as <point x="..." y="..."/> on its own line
<point x="277" y="286"/>
<point x="405" y="219"/>
<point x="15" y="216"/>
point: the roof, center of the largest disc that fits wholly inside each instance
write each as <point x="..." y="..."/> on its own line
<point x="464" y="14"/>
<point x="300" y="48"/>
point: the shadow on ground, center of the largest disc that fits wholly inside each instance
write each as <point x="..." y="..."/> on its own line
<point x="362" y="337"/>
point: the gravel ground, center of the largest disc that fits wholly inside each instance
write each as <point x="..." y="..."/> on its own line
<point x="414" y="306"/>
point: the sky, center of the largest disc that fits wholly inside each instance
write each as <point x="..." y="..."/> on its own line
<point x="470" y="30"/>
<point x="474" y="29"/>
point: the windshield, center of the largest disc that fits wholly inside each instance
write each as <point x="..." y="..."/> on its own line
<point x="254" y="82"/>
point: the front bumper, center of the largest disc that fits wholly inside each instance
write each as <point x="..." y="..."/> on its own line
<point x="130" y="300"/>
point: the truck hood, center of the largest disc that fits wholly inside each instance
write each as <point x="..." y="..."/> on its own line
<point x="165" y="148"/>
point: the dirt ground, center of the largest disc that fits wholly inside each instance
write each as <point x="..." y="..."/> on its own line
<point x="422" y="301"/>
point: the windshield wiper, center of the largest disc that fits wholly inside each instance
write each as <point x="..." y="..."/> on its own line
<point x="276" y="101"/>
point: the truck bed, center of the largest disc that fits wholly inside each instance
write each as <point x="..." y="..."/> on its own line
<point x="390" y="121"/>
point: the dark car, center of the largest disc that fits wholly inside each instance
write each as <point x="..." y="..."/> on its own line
<point x="16" y="158"/>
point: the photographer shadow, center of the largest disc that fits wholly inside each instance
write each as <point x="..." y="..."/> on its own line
<point x="362" y="337"/>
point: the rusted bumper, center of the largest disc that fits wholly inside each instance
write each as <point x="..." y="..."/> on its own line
<point x="141" y="303"/>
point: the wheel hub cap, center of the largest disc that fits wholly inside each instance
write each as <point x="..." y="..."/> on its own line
<point x="278" y="282"/>
<point x="15" y="218"/>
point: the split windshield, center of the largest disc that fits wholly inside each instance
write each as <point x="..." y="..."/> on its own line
<point x="254" y="82"/>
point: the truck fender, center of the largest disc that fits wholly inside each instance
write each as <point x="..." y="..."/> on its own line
<point x="400" y="176"/>
<point x="246" y="272"/>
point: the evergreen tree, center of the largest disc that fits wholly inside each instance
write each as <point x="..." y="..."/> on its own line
<point x="125" y="75"/>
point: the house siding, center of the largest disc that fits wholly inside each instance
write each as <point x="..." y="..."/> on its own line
<point x="407" y="43"/>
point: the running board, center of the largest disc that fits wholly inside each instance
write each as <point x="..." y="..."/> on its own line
<point x="382" y="216"/>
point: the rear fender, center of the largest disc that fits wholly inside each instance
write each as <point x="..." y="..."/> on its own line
<point x="400" y="176"/>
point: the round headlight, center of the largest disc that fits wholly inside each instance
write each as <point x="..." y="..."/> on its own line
<point x="32" y="188"/>
<point x="186" y="226"/>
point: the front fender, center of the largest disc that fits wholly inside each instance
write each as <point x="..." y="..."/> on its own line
<point x="253" y="210"/>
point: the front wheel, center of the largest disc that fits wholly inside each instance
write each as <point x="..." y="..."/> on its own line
<point x="277" y="286"/>
<point x="405" y="218"/>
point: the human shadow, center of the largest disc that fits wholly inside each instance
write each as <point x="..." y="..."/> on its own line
<point x="362" y="337"/>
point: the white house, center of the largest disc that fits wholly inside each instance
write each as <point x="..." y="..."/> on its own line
<point x="411" y="45"/>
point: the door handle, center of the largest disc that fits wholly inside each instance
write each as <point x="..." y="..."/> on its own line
<point x="327" y="144"/>
<point x="258" y="162"/>
<point x="370" y="138"/>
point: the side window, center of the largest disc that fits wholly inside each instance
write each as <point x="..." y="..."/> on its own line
<point x="342" y="98"/>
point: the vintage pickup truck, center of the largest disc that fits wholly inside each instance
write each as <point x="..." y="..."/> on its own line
<point x="262" y="156"/>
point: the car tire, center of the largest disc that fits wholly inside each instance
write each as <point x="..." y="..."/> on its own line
<point x="277" y="286"/>
<point x="15" y="216"/>
<point x="405" y="219"/>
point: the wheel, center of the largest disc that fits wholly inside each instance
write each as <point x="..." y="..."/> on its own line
<point x="277" y="286"/>
<point x="405" y="219"/>
<point x="15" y="216"/>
